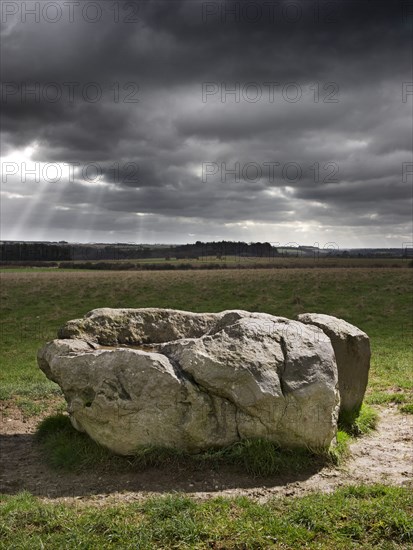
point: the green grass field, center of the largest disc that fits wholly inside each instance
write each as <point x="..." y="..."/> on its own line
<point x="354" y="517"/>
<point x="35" y="303"/>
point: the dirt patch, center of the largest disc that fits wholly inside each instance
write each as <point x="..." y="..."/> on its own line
<point x="385" y="456"/>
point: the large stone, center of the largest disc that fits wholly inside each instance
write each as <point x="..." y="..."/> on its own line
<point x="192" y="381"/>
<point x="352" y="351"/>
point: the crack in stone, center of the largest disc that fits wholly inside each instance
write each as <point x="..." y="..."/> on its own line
<point x="237" y="424"/>
<point x="283" y="346"/>
<point x="186" y="376"/>
<point x="284" y="390"/>
<point x="124" y="394"/>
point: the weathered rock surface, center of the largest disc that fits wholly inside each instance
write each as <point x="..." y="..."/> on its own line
<point x="352" y="351"/>
<point x="195" y="380"/>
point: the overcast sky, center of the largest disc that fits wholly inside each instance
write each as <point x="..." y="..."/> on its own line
<point x="176" y="121"/>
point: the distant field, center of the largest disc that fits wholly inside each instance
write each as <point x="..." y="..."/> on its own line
<point x="34" y="304"/>
<point x="213" y="262"/>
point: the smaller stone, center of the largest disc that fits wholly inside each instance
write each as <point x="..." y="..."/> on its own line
<point x="352" y="350"/>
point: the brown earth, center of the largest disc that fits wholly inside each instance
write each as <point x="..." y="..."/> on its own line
<point x="385" y="456"/>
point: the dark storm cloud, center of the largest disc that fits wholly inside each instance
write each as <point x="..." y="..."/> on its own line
<point x="146" y="102"/>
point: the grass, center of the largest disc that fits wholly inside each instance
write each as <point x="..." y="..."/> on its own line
<point x="381" y="398"/>
<point x="31" y="408"/>
<point x="339" y="452"/>
<point x="363" y="517"/>
<point x="67" y="449"/>
<point x="407" y="409"/>
<point x="263" y="458"/>
<point x="358" y="422"/>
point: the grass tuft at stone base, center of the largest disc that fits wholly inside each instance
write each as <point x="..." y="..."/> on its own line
<point x="358" y="422"/>
<point x="67" y="449"/>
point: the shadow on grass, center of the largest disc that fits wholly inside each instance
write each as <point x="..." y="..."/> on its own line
<point x="67" y="449"/>
<point x="59" y="461"/>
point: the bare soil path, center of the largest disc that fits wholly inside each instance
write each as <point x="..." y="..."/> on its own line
<point x="385" y="456"/>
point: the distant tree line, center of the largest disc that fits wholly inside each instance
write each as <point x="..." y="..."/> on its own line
<point x="222" y="249"/>
<point x="62" y="251"/>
